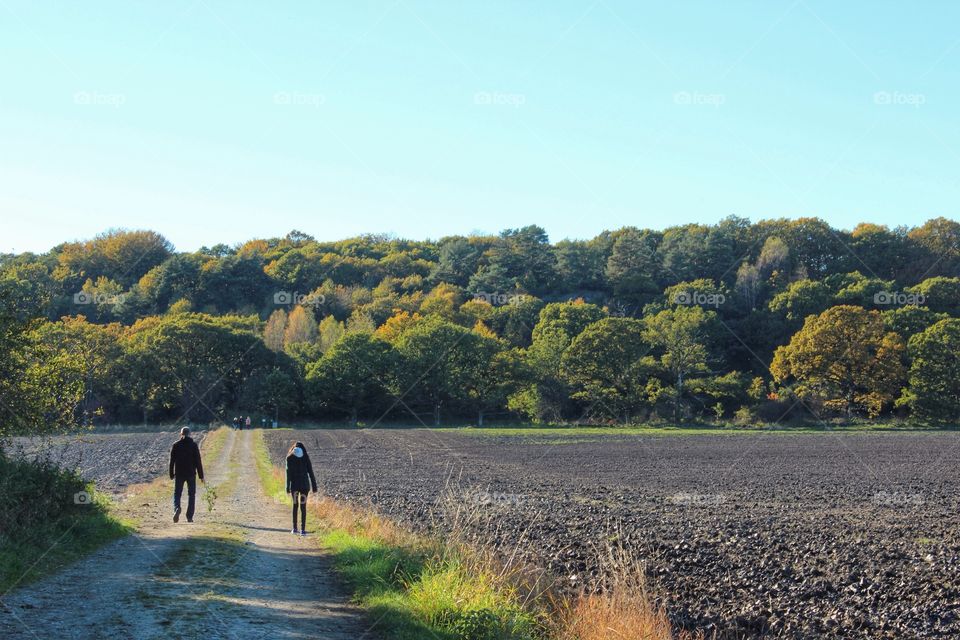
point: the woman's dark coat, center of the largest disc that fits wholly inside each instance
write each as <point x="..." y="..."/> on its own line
<point x="300" y="474"/>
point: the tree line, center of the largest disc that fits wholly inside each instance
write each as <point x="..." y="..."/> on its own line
<point x="749" y="322"/>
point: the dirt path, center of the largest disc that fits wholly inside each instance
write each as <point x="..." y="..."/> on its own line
<point x="237" y="573"/>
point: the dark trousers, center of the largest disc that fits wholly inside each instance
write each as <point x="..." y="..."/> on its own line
<point x="300" y="500"/>
<point x="191" y="494"/>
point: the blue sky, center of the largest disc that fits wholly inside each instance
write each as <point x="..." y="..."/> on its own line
<point x="221" y="121"/>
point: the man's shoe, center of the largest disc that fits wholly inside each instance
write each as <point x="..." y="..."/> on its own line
<point x="294" y="532"/>
<point x="303" y="532"/>
<point x="176" y="514"/>
<point x="189" y="519"/>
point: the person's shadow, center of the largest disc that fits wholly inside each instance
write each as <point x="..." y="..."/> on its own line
<point x="250" y="526"/>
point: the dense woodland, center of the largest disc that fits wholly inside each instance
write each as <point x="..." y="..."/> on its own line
<point x="739" y="322"/>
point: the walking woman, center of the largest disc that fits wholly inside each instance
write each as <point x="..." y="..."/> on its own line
<point x="300" y="480"/>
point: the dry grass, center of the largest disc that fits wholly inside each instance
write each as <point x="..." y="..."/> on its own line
<point x="336" y="516"/>
<point x="623" y="611"/>
<point x="613" y="615"/>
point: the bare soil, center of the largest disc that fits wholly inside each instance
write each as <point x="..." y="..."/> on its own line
<point x="761" y="535"/>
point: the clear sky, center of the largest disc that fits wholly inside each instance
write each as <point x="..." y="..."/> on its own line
<point x="214" y="121"/>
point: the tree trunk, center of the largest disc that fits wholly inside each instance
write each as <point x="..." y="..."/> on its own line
<point x="480" y="418"/>
<point x="353" y="417"/>
<point x="676" y="400"/>
<point x="436" y="414"/>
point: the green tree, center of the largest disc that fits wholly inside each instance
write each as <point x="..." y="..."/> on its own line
<point x="608" y="366"/>
<point x="353" y="377"/>
<point x="547" y="398"/>
<point x="40" y="386"/>
<point x="938" y="294"/>
<point x="273" y="392"/>
<point x="631" y="266"/>
<point x="441" y="363"/>
<point x="98" y="358"/>
<point x="194" y="366"/>
<point x="845" y="359"/>
<point x="500" y="373"/>
<point x="934" y="391"/>
<point x="801" y="299"/>
<point x="458" y="261"/>
<point x="910" y="320"/>
<point x="679" y="335"/>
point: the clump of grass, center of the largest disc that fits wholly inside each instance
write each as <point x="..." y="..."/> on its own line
<point x="623" y="609"/>
<point x="416" y="588"/>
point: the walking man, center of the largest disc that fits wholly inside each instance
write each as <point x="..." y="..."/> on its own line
<point x="185" y="466"/>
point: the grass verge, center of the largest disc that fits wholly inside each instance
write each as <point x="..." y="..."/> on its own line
<point x="417" y="587"/>
<point x="48" y="518"/>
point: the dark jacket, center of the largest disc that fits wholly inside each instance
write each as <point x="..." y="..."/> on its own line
<point x="300" y="474"/>
<point x="185" y="459"/>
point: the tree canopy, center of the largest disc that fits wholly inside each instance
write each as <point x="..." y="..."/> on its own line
<point x="775" y="318"/>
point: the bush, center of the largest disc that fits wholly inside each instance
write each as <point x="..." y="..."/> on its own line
<point x="48" y="516"/>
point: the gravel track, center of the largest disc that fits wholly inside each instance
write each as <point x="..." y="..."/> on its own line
<point x="761" y="535"/>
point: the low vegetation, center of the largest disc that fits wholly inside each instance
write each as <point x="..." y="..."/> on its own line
<point x="49" y="517"/>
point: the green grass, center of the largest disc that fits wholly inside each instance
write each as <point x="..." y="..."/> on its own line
<point x="576" y="433"/>
<point x="414" y="594"/>
<point x="271" y="478"/>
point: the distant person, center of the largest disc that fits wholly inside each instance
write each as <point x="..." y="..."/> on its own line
<point x="300" y="480"/>
<point x="263" y="423"/>
<point x="248" y="422"/>
<point x="236" y="421"/>
<point x="241" y="423"/>
<point x="185" y="466"/>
